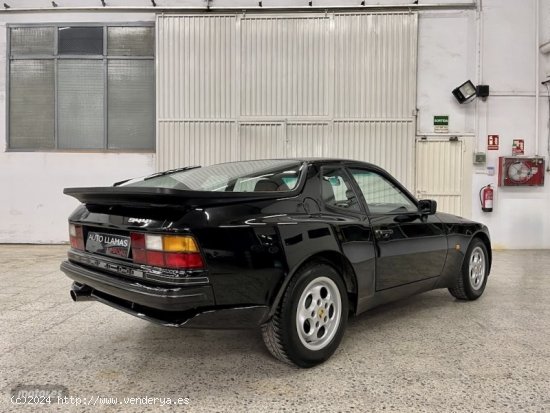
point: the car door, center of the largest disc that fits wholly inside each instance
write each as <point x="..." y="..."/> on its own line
<point x="410" y="246"/>
<point x="345" y="211"/>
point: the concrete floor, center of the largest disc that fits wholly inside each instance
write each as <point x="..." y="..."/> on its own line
<point x="427" y="353"/>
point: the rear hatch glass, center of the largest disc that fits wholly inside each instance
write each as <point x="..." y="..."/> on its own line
<point x="247" y="176"/>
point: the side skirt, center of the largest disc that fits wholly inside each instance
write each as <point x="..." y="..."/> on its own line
<point x="396" y="293"/>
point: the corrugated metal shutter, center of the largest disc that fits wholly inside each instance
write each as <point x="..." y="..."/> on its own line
<point x="250" y="86"/>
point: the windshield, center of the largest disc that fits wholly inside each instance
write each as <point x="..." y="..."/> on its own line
<point x="247" y="176"/>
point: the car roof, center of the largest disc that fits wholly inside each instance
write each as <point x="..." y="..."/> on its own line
<point x="315" y="161"/>
<point x="344" y="161"/>
<point x="318" y="160"/>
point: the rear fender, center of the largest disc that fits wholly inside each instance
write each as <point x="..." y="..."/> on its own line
<point x="333" y="258"/>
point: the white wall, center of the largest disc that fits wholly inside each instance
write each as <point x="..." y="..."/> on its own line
<point x="449" y="43"/>
<point x="521" y="218"/>
<point x="446" y="58"/>
<point x="33" y="207"/>
<point x="448" y="55"/>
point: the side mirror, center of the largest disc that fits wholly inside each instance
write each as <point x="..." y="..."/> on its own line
<point x="427" y="206"/>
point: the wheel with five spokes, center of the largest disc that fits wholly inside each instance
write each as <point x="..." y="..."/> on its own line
<point x="471" y="283"/>
<point x="310" y="320"/>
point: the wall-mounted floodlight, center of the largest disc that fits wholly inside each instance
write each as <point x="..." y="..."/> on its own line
<point x="465" y="92"/>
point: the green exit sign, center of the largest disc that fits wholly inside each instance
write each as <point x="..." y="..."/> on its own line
<point x="441" y="123"/>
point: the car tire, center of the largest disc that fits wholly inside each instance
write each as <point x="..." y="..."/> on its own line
<point x="472" y="280"/>
<point x="310" y="320"/>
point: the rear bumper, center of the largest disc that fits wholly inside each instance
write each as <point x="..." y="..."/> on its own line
<point x="159" y="298"/>
<point x="192" y="307"/>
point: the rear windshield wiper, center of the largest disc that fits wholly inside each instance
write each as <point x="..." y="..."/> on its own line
<point x="155" y="175"/>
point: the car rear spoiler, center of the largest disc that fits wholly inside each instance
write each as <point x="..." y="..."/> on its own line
<point x="164" y="197"/>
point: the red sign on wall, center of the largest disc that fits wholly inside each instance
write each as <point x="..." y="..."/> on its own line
<point x="518" y="147"/>
<point x="492" y="142"/>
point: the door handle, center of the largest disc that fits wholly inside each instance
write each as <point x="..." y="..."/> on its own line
<point x="383" y="233"/>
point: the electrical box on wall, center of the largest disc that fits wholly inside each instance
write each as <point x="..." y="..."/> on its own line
<point x="516" y="171"/>
<point x="480" y="158"/>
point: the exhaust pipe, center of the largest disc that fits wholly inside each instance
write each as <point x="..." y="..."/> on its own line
<point x="80" y="292"/>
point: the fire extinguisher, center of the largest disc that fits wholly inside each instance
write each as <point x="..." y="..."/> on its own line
<point x="486" y="198"/>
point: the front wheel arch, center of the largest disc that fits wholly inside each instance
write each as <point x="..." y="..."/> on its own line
<point x="482" y="236"/>
<point x="470" y="282"/>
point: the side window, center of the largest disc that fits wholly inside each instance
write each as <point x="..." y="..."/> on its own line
<point x="381" y="195"/>
<point x="336" y="190"/>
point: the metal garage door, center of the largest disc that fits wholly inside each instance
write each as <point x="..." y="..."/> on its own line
<point x="440" y="174"/>
<point x="245" y="86"/>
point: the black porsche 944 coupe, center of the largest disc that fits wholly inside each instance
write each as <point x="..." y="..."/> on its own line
<point x="291" y="246"/>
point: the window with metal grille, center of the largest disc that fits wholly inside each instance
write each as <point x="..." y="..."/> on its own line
<point x="81" y="87"/>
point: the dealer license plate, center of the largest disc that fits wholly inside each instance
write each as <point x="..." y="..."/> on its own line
<point x="108" y="244"/>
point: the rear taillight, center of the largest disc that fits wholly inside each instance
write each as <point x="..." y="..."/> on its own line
<point x="76" y="235"/>
<point x="167" y="251"/>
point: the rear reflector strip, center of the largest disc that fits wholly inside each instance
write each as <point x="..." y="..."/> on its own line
<point x="165" y="251"/>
